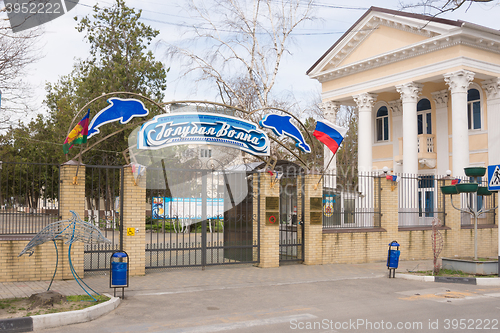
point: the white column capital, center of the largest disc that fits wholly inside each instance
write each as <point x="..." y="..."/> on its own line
<point x="492" y="88"/>
<point x="440" y="98"/>
<point x="459" y="81"/>
<point x="396" y="107"/>
<point x="409" y="91"/>
<point x="365" y="101"/>
<point x="330" y="109"/>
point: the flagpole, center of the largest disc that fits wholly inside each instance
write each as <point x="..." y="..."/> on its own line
<point x="323" y="175"/>
<point x="75" y="180"/>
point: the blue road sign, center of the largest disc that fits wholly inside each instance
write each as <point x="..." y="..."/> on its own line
<point x="494" y="177"/>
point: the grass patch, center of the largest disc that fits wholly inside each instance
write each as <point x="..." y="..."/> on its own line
<point x="448" y="273"/>
<point x="18" y="307"/>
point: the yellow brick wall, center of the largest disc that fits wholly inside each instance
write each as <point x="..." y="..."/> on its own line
<point x="41" y="265"/>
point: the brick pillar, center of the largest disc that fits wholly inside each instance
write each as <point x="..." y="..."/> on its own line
<point x="71" y="197"/>
<point x="269" y="221"/>
<point x="134" y="221"/>
<point x="313" y="220"/>
<point x="388" y="206"/>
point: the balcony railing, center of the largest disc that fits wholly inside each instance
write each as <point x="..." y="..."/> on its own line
<point x="425" y="149"/>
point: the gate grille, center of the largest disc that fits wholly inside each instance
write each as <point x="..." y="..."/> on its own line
<point x="103" y="199"/>
<point x="199" y="218"/>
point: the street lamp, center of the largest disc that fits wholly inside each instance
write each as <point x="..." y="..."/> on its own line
<point x="470" y="189"/>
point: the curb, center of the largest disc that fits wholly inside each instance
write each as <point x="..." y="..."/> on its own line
<point x="33" y="323"/>
<point x="475" y="281"/>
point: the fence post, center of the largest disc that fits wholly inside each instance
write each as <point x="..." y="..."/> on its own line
<point x="389" y="206"/>
<point x="313" y="220"/>
<point x="269" y="221"/>
<point x="134" y="220"/>
<point x="71" y="197"/>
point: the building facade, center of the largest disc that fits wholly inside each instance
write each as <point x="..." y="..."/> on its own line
<point x="427" y="91"/>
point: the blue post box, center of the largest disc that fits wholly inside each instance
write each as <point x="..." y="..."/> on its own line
<point x="393" y="258"/>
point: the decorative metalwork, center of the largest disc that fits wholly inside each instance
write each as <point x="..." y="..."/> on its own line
<point x="73" y="230"/>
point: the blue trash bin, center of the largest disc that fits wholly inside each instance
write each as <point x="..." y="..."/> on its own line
<point x="119" y="271"/>
<point x="393" y="258"/>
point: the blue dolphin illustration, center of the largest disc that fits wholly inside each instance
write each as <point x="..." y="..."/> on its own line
<point x="119" y="109"/>
<point x="282" y="125"/>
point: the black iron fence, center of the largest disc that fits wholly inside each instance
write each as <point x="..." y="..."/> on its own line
<point x="29" y="197"/>
<point x="351" y="201"/>
<point x="420" y="200"/>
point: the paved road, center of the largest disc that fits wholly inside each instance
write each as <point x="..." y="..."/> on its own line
<point x="326" y="298"/>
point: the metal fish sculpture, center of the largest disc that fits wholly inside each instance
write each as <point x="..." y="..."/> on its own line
<point x="73" y="230"/>
<point x="122" y="110"/>
<point x="282" y="125"/>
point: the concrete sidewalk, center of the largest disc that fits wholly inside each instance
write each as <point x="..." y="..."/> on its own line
<point x="213" y="278"/>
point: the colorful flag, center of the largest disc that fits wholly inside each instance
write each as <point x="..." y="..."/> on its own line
<point x="455" y="181"/>
<point x="329" y="134"/>
<point x="395" y="178"/>
<point x="78" y="134"/>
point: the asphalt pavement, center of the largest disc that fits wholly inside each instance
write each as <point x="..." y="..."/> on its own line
<point x="321" y="298"/>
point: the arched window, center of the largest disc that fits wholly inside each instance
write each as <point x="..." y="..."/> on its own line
<point x="474" y="109"/>
<point x="382" y="122"/>
<point x="424" y="118"/>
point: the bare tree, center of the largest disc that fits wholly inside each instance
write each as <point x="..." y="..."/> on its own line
<point x="240" y="46"/>
<point x="438" y="7"/>
<point x="17" y="52"/>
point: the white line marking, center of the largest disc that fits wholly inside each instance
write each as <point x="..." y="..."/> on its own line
<point x="242" y="324"/>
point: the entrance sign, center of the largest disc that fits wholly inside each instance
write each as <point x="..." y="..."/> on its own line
<point x="202" y="128"/>
<point x="494" y="177"/>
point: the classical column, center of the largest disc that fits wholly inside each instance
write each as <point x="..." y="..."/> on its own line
<point x="365" y="104"/>
<point x="409" y="96"/>
<point x="330" y="110"/>
<point x="458" y="83"/>
<point x="492" y="88"/>
<point x="396" y="108"/>
<point x="441" y="144"/>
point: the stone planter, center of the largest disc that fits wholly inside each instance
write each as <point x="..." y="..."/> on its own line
<point x="471" y="266"/>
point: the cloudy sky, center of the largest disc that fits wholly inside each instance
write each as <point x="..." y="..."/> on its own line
<point x="62" y="44"/>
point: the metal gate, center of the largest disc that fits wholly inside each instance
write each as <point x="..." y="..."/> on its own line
<point x="200" y="217"/>
<point x="103" y="204"/>
<point x="291" y="243"/>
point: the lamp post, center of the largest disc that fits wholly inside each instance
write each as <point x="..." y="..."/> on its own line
<point x="473" y="189"/>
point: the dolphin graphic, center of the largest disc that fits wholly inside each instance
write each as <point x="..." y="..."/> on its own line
<point x="282" y="125"/>
<point x="119" y="109"/>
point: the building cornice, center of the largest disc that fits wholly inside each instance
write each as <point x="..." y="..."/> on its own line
<point x="411" y="75"/>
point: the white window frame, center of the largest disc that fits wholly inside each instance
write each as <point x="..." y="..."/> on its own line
<point x="388" y="125"/>
<point x="474" y="85"/>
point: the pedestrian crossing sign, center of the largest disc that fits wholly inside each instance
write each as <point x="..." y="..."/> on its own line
<point x="494" y="177"/>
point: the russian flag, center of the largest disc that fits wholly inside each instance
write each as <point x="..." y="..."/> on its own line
<point x="329" y="134"/>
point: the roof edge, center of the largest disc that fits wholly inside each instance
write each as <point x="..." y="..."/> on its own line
<point x="387" y="11"/>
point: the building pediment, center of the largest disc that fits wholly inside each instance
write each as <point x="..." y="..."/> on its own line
<point x="382" y="37"/>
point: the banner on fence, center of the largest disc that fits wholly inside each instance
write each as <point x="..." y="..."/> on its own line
<point x="186" y="208"/>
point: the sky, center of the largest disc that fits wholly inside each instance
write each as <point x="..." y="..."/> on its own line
<point x="62" y="44"/>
